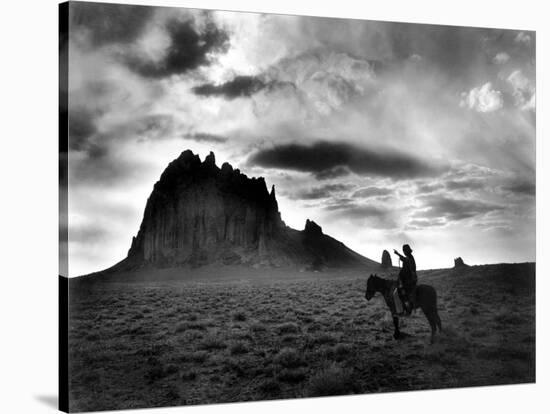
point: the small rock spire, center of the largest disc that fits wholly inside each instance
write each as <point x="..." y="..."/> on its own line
<point x="312" y="228"/>
<point x="210" y="160"/>
<point x="386" y="259"/>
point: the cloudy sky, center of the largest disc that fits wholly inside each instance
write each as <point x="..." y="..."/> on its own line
<point x="383" y="133"/>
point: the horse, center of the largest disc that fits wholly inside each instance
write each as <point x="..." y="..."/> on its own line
<point x="424" y="297"/>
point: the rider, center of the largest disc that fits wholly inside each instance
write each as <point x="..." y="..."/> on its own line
<point x="407" y="277"/>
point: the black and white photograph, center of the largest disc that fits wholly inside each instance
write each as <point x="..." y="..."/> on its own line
<point x="261" y="206"/>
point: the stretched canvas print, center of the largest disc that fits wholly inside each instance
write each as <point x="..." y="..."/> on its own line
<point x="258" y="206"/>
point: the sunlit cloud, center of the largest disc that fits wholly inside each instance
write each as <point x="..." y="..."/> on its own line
<point x="482" y="99"/>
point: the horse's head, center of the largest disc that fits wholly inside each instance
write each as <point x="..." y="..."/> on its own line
<point x="371" y="287"/>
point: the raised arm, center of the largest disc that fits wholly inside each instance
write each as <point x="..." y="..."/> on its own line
<point x="399" y="254"/>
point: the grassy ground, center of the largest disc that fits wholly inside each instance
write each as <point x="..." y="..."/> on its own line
<point x="175" y="343"/>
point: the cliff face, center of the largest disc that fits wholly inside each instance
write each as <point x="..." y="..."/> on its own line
<point x="198" y="214"/>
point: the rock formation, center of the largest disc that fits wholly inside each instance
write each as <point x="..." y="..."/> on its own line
<point x="199" y="214"/>
<point x="386" y="260"/>
<point x="459" y="262"/>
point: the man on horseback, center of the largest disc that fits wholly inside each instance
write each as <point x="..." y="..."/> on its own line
<point x="407" y="279"/>
<point x="425" y="298"/>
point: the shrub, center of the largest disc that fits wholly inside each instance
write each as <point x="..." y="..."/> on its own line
<point x="155" y="372"/>
<point x="314" y="327"/>
<point x="211" y="342"/>
<point x="172" y="393"/>
<point x="90" y="378"/>
<point x="306" y="319"/>
<point x="185" y="326"/>
<point x="325" y="338"/>
<point x="288" y="328"/>
<point x="238" y="348"/>
<point x="242" y="336"/>
<point x="181" y="327"/>
<point x="340" y="351"/>
<point x="258" y="327"/>
<point x="270" y="386"/>
<point x="235" y="366"/>
<point x="191" y="335"/>
<point x="288" y="358"/>
<point x="480" y="333"/>
<point x="92" y="337"/>
<point x="198" y="356"/>
<point x="171" y="369"/>
<point x="239" y="316"/>
<point x="287" y="339"/>
<point x="332" y="380"/>
<point x="508" y="319"/>
<point x="292" y="375"/>
<point x="188" y="375"/>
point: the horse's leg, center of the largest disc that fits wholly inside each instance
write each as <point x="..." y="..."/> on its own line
<point x="438" y="321"/>
<point x="433" y="325"/>
<point x="431" y="316"/>
<point x="396" y="333"/>
<point x="436" y="313"/>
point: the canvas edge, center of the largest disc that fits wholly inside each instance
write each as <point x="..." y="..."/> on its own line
<point x="63" y="281"/>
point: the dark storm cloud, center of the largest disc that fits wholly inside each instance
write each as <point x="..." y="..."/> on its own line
<point x="324" y="156"/>
<point x="372" y="192"/>
<point x="521" y="188"/>
<point x="109" y="23"/>
<point x="353" y="210"/>
<point x="335" y="172"/>
<point x="237" y="87"/>
<point x="189" y="47"/>
<point x="324" y="191"/>
<point x="206" y="137"/>
<point x="189" y="50"/>
<point x="452" y="209"/>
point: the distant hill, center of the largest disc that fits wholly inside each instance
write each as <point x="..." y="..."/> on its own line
<point x="199" y="214"/>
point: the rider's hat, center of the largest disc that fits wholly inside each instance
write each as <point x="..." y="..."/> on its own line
<point x="407" y="248"/>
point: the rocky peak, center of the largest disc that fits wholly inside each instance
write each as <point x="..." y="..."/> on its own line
<point x="312" y="228"/>
<point x="200" y="214"/>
